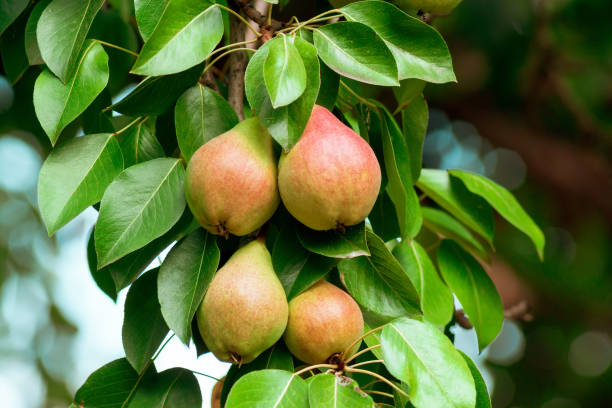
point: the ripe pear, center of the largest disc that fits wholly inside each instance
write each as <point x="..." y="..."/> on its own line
<point x="439" y="7"/>
<point x="330" y="178"/>
<point x="231" y="182"/>
<point x="323" y="320"/>
<point x="244" y="310"/>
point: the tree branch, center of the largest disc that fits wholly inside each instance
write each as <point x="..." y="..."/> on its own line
<point x="252" y="13"/>
<point x="237" y="62"/>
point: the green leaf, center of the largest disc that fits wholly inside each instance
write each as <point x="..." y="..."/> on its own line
<point x="277" y="357"/>
<point x="12" y="51"/>
<point x="419" y="50"/>
<point x="474" y="289"/>
<point x="75" y="175"/>
<point x="445" y="225"/>
<point x="331" y="391"/>
<point x="126" y="270"/>
<point x="269" y="388"/>
<point x="423" y="357"/>
<point x="173" y="388"/>
<point x="184" y="278"/>
<point x="31" y="43"/>
<point x="330" y="84"/>
<point x="95" y="119"/>
<point x="335" y="244"/>
<point x="454" y="197"/>
<point x="139" y="144"/>
<point x="102" y="276"/>
<point x="201" y="114"/>
<point x="284" y="72"/>
<point x="504" y="202"/>
<point x="378" y="282"/>
<point x="9" y="11"/>
<point x="355" y="51"/>
<point x="436" y="298"/>
<point x="399" y="171"/>
<point x="286" y="124"/>
<point x="154" y="95"/>
<point x="148" y="14"/>
<point x="61" y="32"/>
<point x="124" y="8"/>
<point x="482" y="394"/>
<point x="144" y="327"/>
<point x="383" y="218"/>
<point x="141" y="204"/>
<point x="110" y="386"/>
<point x="57" y="104"/>
<point x="297" y="268"/>
<point x="187" y="32"/>
<point x="415" y="118"/>
<point x="407" y="92"/>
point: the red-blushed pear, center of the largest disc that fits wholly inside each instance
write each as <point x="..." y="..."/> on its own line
<point x="323" y="320"/>
<point x="330" y="178"/>
<point x="231" y="182"/>
<point x="244" y="310"/>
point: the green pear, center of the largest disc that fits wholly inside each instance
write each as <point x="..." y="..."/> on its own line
<point x="245" y="309"/>
<point x="323" y="320"/>
<point x="439" y="7"/>
<point x="331" y="177"/>
<point x="231" y="182"/>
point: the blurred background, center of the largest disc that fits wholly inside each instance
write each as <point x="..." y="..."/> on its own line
<point x="532" y="109"/>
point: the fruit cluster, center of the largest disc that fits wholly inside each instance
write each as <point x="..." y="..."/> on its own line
<point x="329" y="180"/>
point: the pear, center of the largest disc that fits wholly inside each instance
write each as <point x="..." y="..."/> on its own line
<point x="231" y="180"/>
<point x="323" y="320"/>
<point x="438" y="7"/>
<point x="244" y="310"/>
<point x="330" y="178"/>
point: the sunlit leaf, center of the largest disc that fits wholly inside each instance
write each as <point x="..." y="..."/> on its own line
<point x="284" y="72"/>
<point x="269" y="388"/>
<point x="335" y="244"/>
<point x="423" y="357"/>
<point x="141" y="204"/>
<point x="75" y="176"/>
<point x="61" y="32"/>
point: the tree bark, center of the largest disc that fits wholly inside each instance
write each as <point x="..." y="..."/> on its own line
<point x="237" y="65"/>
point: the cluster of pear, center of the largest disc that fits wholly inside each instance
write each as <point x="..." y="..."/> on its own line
<point x="330" y="179"/>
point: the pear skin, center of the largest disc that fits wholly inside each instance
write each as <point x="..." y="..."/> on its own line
<point x="231" y="181"/>
<point x="244" y="310"/>
<point x="331" y="177"/>
<point x="323" y="320"/>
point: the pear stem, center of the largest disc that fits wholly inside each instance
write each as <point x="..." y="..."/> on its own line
<point x="361" y="338"/>
<point x="380" y="377"/>
<point x="365" y="350"/>
<point x="367" y="362"/>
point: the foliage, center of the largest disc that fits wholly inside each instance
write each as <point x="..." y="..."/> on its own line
<point x="135" y="173"/>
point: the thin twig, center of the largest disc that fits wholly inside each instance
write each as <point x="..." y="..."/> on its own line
<point x="162" y="347"/>
<point x="385" y="394"/>
<point x="117" y="47"/>
<point x="356" y="95"/>
<point x="367" y="362"/>
<point x="254" y="14"/>
<point x="207" y="67"/>
<point x="361" y="338"/>
<point x="239" y="17"/>
<point x="312" y="367"/>
<point x="370" y="383"/>
<point x="365" y="350"/>
<point x="380" y="377"/>
<point x="129" y="125"/>
<point x="208" y="376"/>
